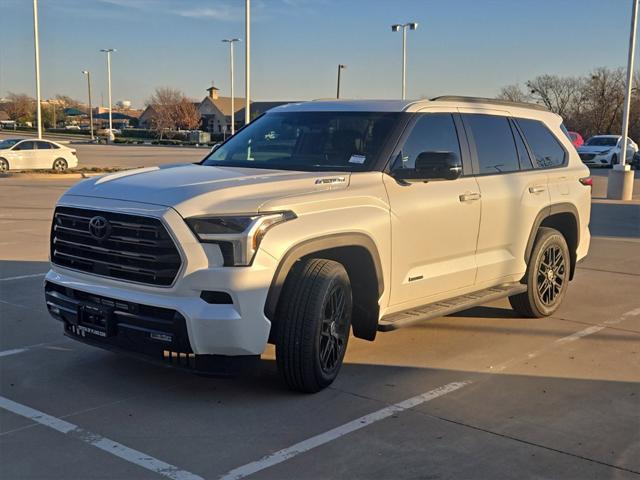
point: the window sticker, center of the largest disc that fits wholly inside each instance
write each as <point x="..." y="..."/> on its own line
<point x="359" y="159"/>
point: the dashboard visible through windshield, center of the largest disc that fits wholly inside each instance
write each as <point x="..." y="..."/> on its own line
<point x="308" y="141"/>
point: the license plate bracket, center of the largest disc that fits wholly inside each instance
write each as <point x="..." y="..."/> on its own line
<point x="96" y="320"/>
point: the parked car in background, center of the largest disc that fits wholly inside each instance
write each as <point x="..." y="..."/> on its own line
<point x="635" y="161"/>
<point x="72" y="127"/>
<point x="604" y="150"/>
<point x="576" y="139"/>
<point x="28" y="154"/>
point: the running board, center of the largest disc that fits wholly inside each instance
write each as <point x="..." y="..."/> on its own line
<point x="447" y="307"/>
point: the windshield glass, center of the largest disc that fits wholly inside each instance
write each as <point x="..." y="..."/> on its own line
<point x="308" y="141"/>
<point x="602" y="141"/>
<point x="9" y="142"/>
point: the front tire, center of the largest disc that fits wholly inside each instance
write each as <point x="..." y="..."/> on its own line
<point x="4" y="165"/>
<point x="313" y="324"/>
<point x="60" y="165"/>
<point x="547" y="276"/>
<point x="614" y="161"/>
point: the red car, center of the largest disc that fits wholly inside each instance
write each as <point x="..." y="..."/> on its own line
<point x="576" y="139"/>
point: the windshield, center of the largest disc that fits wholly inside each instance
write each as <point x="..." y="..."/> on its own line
<point x="308" y="141"/>
<point x="9" y="142"/>
<point x="603" y="141"/>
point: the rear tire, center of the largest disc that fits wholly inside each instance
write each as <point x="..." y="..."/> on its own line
<point x="4" y="165"/>
<point x="547" y="276"/>
<point x="60" y="165"/>
<point x="313" y="324"/>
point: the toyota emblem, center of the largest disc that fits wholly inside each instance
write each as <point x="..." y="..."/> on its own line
<point x="99" y="228"/>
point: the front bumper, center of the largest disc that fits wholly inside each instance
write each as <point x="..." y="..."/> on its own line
<point x="238" y="328"/>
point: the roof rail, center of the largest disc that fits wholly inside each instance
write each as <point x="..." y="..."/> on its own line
<point x="492" y="101"/>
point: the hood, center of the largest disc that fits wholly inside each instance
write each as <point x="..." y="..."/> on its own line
<point x="196" y="189"/>
<point x="593" y="149"/>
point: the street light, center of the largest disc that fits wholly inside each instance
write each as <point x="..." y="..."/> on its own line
<point x="109" y="51"/>
<point x="88" y="74"/>
<point x="36" y="45"/>
<point x="340" y="67"/>
<point x="396" y="28"/>
<point x="231" y="41"/>
<point x="620" y="181"/>
<point x="247" y="61"/>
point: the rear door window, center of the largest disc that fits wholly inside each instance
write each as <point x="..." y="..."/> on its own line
<point x="546" y="148"/>
<point x="494" y="143"/>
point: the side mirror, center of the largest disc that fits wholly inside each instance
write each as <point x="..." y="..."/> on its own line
<point x="215" y="147"/>
<point x="432" y="166"/>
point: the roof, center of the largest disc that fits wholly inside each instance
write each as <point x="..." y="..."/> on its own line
<point x="114" y="116"/>
<point x="4" y="115"/>
<point x="73" y="112"/>
<point x="224" y="104"/>
<point x="346" y="105"/>
<point x="398" y="105"/>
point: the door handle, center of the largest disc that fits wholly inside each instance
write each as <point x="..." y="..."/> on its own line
<point x="537" y="189"/>
<point x="469" y="197"/>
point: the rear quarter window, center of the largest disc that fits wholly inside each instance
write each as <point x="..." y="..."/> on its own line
<point x="546" y="148"/>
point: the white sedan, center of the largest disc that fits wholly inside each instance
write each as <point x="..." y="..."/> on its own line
<point x="28" y="154"/>
<point x="605" y="150"/>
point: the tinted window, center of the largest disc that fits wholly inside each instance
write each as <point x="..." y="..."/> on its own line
<point x="308" y="141"/>
<point x="546" y="149"/>
<point x="433" y="132"/>
<point x="602" y="141"/>
<point x="25" y="146"/>
<point x="523" y="155"/>
<point x="44" y="145"/>
<point x="494" y="143"/>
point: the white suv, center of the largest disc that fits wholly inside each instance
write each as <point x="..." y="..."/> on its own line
<point x="318" y="219"/>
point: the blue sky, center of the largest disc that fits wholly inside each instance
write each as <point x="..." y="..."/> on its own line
<point x="463" y="47"/>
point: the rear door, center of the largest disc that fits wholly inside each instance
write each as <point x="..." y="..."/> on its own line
<point x="434" y="224"/>
<point x="44" y="155"/>
<point x="513" y="193"/>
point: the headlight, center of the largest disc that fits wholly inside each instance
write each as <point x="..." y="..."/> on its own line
<point x="238" y="236"/>
<point x="606" y="152"/>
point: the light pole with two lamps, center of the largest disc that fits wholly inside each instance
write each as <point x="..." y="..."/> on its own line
<point x="396" y="28"/>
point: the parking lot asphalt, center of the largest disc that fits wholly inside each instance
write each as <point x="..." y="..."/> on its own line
<point x="478" y="394"/>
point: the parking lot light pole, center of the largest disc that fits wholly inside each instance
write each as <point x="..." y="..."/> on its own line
<point x="231" y="41"/>
<point x="247" y="61"/>
<point x="88" y="74"/>
<point x="396" y="28"/>
<point x="109" y="51"/>
<point x="340" y="68"/>
<point x="36" y="44"/>
<point x="620" y="182"/>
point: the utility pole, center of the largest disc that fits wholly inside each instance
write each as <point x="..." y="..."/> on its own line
<point x="231" y="41"/>
<point x="247" y="61"/>
<point x="109" y="51"/>
<point x="620" y="181"/>
<point x="340" y="67"/>
<point x="88" y="74"/>
<point x="37" y="54"/>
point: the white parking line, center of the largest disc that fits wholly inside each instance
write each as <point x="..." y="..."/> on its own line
<point x="6" y="353"/>
<point x="114" y="448"/>
<point x="560" y="341"/>
<point x="20" y="277"/>
<point x="330" y="435"/>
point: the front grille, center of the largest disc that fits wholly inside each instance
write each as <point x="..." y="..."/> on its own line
<point x="137" y="249"/>
<point x="587" y="156"/>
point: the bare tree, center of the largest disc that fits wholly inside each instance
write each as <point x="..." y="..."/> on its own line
<point x="20" y="107"/>
<point x="513" y="93"/>
<point x="171" y="110"/>
<point x="187" y="115"/>
<point x="558" y="94"/>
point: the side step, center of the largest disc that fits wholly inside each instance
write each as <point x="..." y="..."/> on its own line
<point x="446" y="307"/>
